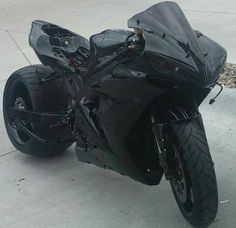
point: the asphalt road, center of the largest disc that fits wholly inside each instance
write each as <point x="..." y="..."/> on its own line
<point x="62" y="192"/>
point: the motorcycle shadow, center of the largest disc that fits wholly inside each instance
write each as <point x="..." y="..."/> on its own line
<point x="96" y="196"/>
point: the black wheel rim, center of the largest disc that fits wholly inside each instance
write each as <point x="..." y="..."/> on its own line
<point x="18" y="97"/>
<point x="181" y="183"/>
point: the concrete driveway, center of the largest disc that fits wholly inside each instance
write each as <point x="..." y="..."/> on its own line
<point x="61" y="192"/>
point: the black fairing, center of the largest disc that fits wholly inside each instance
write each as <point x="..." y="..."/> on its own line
<point x="171" y="40"/>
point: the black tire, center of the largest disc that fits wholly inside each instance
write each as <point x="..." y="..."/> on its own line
<point x="24" y="88"/>
<point x="198" y="198"/>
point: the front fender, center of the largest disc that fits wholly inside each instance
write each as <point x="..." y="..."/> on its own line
<point x="165" y="134"/>
<point x="177" y="104"/>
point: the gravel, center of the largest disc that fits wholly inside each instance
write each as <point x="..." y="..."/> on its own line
<point x="228" y="76"/>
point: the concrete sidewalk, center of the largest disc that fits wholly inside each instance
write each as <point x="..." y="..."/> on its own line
<point x="61" y="192"/>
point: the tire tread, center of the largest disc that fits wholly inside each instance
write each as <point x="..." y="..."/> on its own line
<point x="198" y="159"/>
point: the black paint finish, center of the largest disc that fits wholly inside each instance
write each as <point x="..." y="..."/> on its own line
<point x="116" y="89"/>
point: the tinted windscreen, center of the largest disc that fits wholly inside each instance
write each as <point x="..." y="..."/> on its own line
<point x="168" y="33"/>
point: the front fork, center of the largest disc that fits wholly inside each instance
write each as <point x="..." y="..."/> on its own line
<point x="164" y="137"/>
<point x="164" y="148"/>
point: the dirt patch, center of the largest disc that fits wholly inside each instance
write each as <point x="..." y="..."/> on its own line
<point x="228" y="76"/>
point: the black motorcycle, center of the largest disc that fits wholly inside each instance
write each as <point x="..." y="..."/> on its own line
<point x="129" y="99"/>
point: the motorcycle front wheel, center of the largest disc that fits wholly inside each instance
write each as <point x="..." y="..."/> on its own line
<point x="194" y="186"/>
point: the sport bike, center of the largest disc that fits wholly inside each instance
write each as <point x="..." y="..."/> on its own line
<point x="128" y="98"/>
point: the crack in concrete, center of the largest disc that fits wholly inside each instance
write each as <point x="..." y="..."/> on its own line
<point x="10" y="152"/>
<point x="15" y="31"/>
<point x="210" y="12"/>
<point x="205" y="16"/>
<point x="19" y="48"/>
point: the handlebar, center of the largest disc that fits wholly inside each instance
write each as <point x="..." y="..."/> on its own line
<point x="132" y="42"/>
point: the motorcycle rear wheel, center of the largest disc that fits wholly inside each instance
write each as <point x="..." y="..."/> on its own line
<point x="195" y="186"/>
<point x="23" y="90"/>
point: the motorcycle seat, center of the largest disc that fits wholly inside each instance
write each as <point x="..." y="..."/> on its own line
<point x="53" y="41"/>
